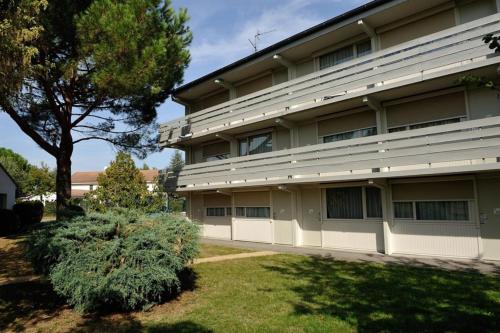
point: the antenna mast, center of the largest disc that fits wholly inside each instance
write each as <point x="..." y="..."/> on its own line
<point x="256" y="38"/>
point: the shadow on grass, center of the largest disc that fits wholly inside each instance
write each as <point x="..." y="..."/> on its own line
<point x="24" y="305"/>
<point x="393" y="297"/>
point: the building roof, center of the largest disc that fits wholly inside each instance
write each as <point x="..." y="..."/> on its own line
<point x="8" y="175"/>
<point x="337" y="19"/>
<point x="90" y="177"/>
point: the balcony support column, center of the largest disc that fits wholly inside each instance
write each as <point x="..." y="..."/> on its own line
<point x="292" y="68"/>
<point x="229" y="86"/>
<point x="293" y="129"/>
<point x="386" y="196"/>
<point x="381" y="115"/>
<point x="371" y="33"/>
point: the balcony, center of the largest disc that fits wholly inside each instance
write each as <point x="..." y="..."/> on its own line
<point x="447" y="52"/>
<point x="469" y="146"/>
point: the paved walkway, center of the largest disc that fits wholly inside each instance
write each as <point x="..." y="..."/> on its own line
<point x="482" y="266"/>
<point x="234" y="256"/>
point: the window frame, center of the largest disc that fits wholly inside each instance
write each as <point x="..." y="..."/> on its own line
<point x="354" y="48"/>
<point x="364" y="205"/>
<point x="247" y="138"/>
<point x="408" y="126"/>
<point x="215" y="216"/>
<point x="470" y="211"/>
<point x="253" y="218"/>
<point x="322" y="138"/>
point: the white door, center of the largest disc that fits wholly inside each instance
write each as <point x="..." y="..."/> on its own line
<point x="311" y="217"/>
<point x="282" y="217"/>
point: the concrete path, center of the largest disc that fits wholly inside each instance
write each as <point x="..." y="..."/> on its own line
<point x="482" y="266"/>
<point x="234" y="256"/>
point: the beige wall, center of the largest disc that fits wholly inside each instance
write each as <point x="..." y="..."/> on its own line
<point x="254" y="85"/>
<point x="252" y="199"/>
<point x="215" y="200"/>
<point x="215" y="148"/>
<point x="489" y="200"/>
<point x="475" y="9"/>
<point x="428" y="109"/>
<point x="280" y="76"/>
<point x="438" y="190"/>
<point x="210" y="101"/>
<point x="282" y="138"/>
<point x="305" y="68"/>
<point x="196" y="208"/>
<point x="347" y="123"/>
<point x="483" y="103"/>
<point x="421" y="27"/>
<point x="308" y="134"/>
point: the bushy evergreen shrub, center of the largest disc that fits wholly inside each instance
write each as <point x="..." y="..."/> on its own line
<point x="29" y="212"/>
<point x="120" y="259"/>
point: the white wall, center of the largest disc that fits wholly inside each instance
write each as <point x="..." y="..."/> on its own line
<point x="7" y="187"/>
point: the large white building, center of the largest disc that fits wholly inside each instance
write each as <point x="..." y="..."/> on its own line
<point x="354" y="134"/>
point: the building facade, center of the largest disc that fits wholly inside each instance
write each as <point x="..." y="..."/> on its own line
<point x="83" y="182"/>
<point x="8" y="189"/>
<point x="355" y="134"/>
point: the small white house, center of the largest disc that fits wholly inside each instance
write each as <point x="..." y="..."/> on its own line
<point x="8" y="189"/>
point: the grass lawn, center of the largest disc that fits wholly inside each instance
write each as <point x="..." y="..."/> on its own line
<point x="211" y="250"/>
<point x="284" y="293"/>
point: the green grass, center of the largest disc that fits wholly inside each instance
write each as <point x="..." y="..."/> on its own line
<point x="285" y="293"/>
<point x="211" y="250"/>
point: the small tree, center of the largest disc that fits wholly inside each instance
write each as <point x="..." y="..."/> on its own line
<point x="176" y="162"/>
<point x="122" y="185"/>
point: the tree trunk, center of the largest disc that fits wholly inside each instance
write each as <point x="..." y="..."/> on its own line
<point x="63" y="175"/>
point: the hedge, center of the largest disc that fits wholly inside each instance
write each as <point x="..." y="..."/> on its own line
<point x="120" y="259"/>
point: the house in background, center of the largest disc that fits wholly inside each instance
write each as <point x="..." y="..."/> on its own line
<point x="352" y="135"/>
<point x="8" y="189"/>
<point x="84" y="182"/>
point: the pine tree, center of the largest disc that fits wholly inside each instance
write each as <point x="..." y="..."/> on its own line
<point x="176" y="162"/>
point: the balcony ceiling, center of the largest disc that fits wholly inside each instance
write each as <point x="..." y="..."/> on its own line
<point x="308" y="45"/>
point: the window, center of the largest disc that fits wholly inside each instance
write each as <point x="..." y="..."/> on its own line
<point x="256" y="144"/>
<point x="373" y="202"/>
<point x="403" y="210"/>
<point x="350" y="135"/>
<point x="345" y="54"/>
<point x="344" y="203"/>
<point x="217" y="157"/>
<point x="432" y="210"/>
<point x="218" y="211"/>
<point x="442" y="210"/>
<point x="426" y="124"/>
<point x="253" y="212"/>
<point x="3" y="200"/>
<point x="347" y="203"/>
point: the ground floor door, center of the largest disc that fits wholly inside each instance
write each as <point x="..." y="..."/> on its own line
<point x="282" y="217"/>
<point x="311" y="217"/>
<point x="253" y="230"/>
<point x="217" y="227"/>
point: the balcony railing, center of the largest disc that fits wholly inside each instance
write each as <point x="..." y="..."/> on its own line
<point x="462" y="147"/>
<point x="449" y="51"/>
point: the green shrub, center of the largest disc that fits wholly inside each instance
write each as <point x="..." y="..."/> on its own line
<point x="29" y="212"/>
<point x="120" y="259"/>
<point x="71" y="212"/>
<point x="50" y="208"/>
<point x="9" y="222"/>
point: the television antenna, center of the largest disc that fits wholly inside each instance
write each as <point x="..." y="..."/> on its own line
<point x="256" y="38"/>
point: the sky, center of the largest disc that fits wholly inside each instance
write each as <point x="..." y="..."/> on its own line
<point x="221" y="29"/>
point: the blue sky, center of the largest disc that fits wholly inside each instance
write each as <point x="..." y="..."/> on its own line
<point x="221" y="29"/>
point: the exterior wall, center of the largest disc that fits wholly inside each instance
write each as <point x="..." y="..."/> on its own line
<point x="473" y="10"/>
<point x="280" y="76"/>
<point x="210" y="101"/>
<point x="427" y="109"/>
<point x="489" y="211"/>
<point x="308" y="134"/>
<point x="85" y="187"/>
<point x="252" y="229"/>
<point x="304" y="68"/>
<point x="414" y="27"/>
<point x="283" y="217"/>
<point x="216" y="226"/>
<point x="8" y="189"/>
<point x="215" y="148"/>
<point x="436" y="238"/>
<point x="282" y="139"/>
<point x="310" y="220"/>
<point x="260" y="83"/>
<point x="347" y="123"/>
<point x="483" y="103"/>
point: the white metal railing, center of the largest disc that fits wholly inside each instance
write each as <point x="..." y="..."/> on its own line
<point x="466" y="146"/>
<point x="449" y="51"/>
